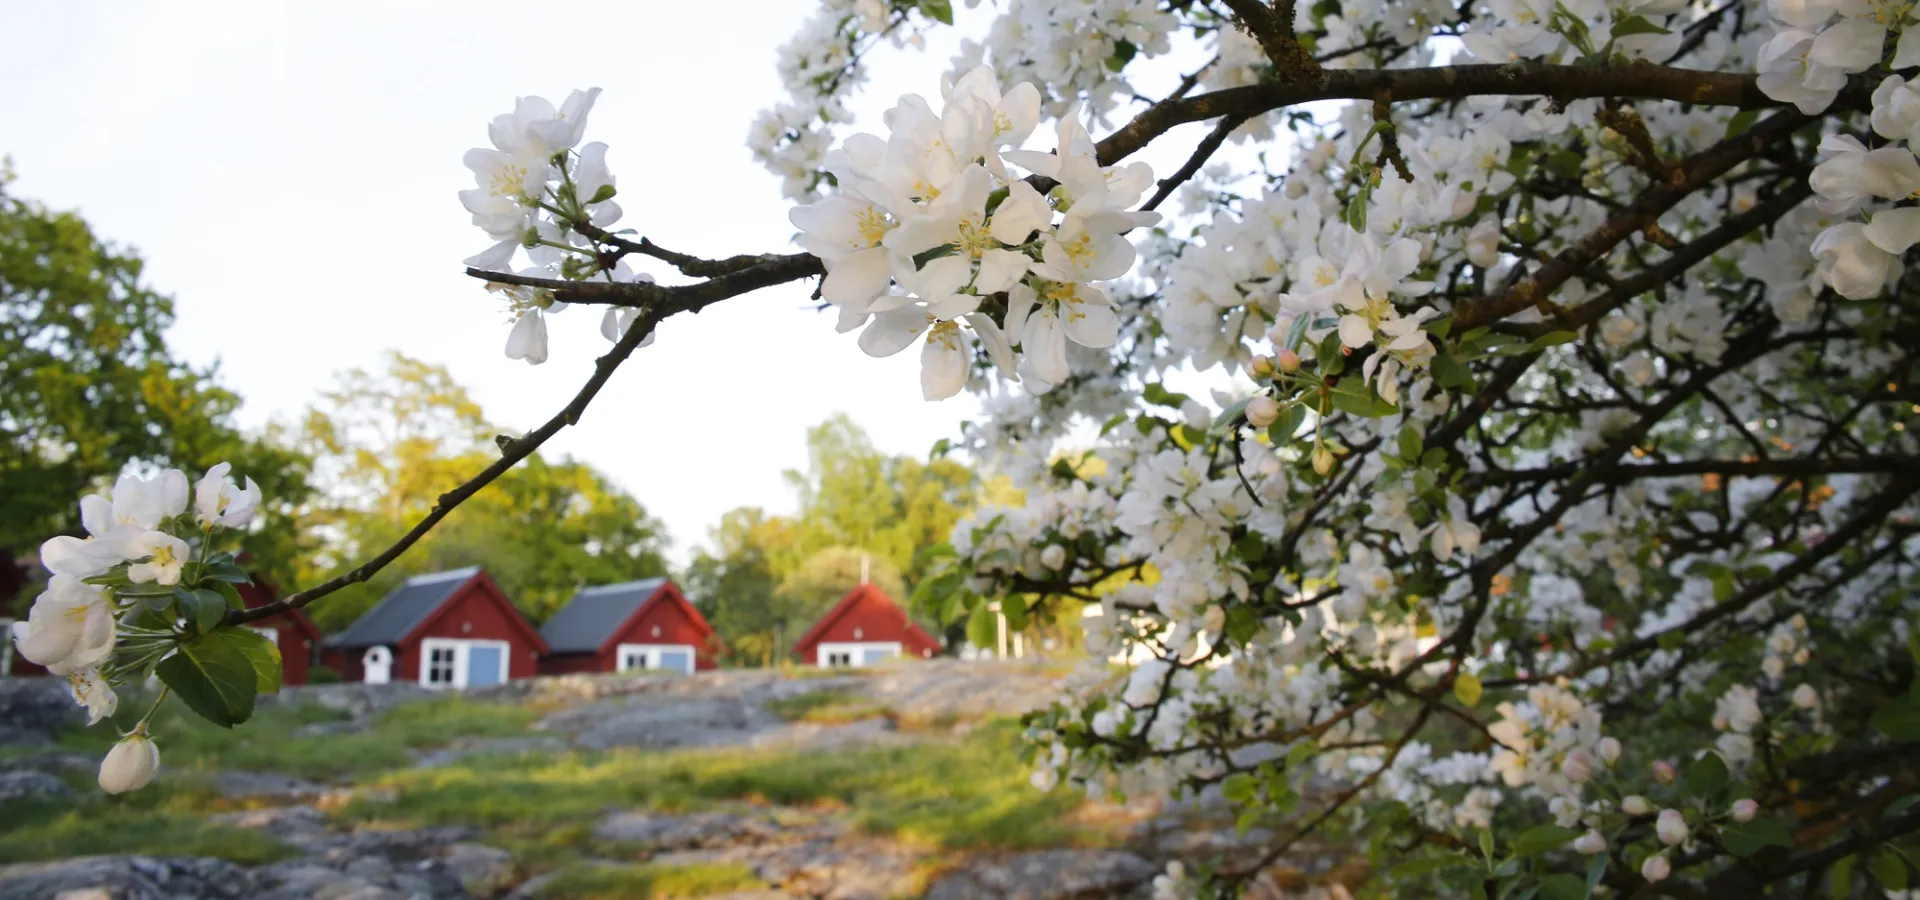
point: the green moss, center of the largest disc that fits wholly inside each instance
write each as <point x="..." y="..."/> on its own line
<point x="154" y="823"/>
<point x="602" y="882"/>
<point x="826" y="707"/>
<point x="969" y="795"/>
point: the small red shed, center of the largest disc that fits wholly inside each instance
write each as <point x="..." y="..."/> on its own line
<point x="449" y="629"/>
<point x="639" y="625"/>
<point x="864" y="628"/>
<point x="296" y="635"/>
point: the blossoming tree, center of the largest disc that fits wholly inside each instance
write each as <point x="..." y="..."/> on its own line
<point x="1552" y="531"/>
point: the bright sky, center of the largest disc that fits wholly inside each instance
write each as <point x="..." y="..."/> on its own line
<point x="289" y="172"/>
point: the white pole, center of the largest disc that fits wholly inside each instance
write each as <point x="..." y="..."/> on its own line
<point x="865" y="563"/>
<point x="1000" y="651"/>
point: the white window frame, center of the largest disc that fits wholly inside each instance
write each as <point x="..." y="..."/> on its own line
<point x="651" y="653"/>
<point x="461" y="659"/>
<point x="822" y="654"/>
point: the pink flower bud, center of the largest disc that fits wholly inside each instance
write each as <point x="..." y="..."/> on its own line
<point x="1590" y="843"/>
<point x="1261" y="367"/>
<point x="1288" y="361"/>
<point x="1578" y="767"/>
<point x="1262" y="410"/>
<point x="1664" y="772"/>
<point x="1744" y="809"/>
<point x="1609" y="750"/>
<point x="1671" y="827"/>
<point x="1656" y="868"/>
<point x="1635" y="805"/>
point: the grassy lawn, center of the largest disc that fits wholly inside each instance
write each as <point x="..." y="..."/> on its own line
<point x="160" y="820"/>
<point x="643" y="882"/>
<point x="271" y="741"/>
<point x="967" y="795"/>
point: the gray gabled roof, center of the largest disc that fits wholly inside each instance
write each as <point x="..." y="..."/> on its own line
<point x="403" y="610"/>
<point x="587" y="620"/>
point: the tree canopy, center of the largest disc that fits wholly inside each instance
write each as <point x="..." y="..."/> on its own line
<point x="387" y="444"/>
<point x="92" y="389"/>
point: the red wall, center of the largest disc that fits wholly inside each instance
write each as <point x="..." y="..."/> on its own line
<point x="478" y="611"/>
<point x="676" y="627"/>
<point x="877" y="619"/>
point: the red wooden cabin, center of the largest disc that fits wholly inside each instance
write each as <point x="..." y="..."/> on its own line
<point x="864" y="628"/>
<point x="639" y="625"/>
<point x="449" y="629"/>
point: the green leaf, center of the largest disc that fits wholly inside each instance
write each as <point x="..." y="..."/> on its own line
<point x="1348" y="397"/>
<point x="213" y="676"/>
<point x="1563" y="887"/>
<point x="1299" y="753"/>
<point x="1410" y="445"/>
<point x="1899" y="719"/>
<point x="1466" y="689"/>
<point x="1440" y="327"/>
<point x="1356" y="215"/>
<point x="1229" y="417"/>
<point x="1596" y="870"/>
<point x="1284" y="429"/>
<point x="1840" y="879"/>
<point x="1890" y="870"/>
<point x="1158" y="395"/>
<point x="230" y="594"/>
<point x="983" y="627"/>
<point x="1329" y="356"/>
<point x="206" y="607"/>
<point x="1707" y="777"/>
<point x="1123" y="53"/>
<point x="1113" y="423"/>
<point x="1633" y="25"/>
<point x="1238" y="788"/>
<point x="1541" y="838"/>
<point x="1746" y="839"/>
<point x="1246" y="820"/>
<point x="265" y="656"/>
<point x="1486" y="845"/>
<point x="1449" y="372"/>
<point x="1015" y="610"/>
<point x="1742" y="121"/>
<point x="938" y="10"/>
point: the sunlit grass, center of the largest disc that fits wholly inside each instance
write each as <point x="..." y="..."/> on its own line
<point x="273" y="740"/>
<point x="826" y="707"/>
<point x="160" y="820"/>
<point x="604" y="882"/>
<point x="968" y="795"/>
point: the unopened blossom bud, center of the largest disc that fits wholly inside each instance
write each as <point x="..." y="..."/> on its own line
<point x="1671" y="827"/>
<point x="1262" y="411"/>
<point x="1801" y="656"/>
<point x="130" y="765"/>
<point x="1744" y="809"/>
<point x="1609" y="750"/>
<point x="1798" y="622"/>
<point x="1806" y="697"/>
<point x="1590" y="843"/>
<point x="1287" y="360"/>
<point x="1261" y="367"/>
<point x="1635" y="805"/>
<point x="1322" y="460"/>
<point x="1664" y="771"/>
<point x="1656" y="868"/>
<point x="1578" y="767"/>
<point x="1773" y="667"/>
<point x="1053" y="557"/>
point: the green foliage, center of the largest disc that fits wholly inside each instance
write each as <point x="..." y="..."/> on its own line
<point x="605" y="882"/>
<point x="215" y="676"/>
<point x="768" y="577"/>
<point x="825" y="707"/>
<point x="394" y="441"/>
<point x="92" y="388"/>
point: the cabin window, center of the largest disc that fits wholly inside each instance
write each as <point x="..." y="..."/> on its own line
<point x="440" y="666"/>
<point x="634" y="659"/>
<point x="839" y="658"/>
<point x="676" y="658"/>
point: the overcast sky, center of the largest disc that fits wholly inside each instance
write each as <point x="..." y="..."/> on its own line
<point x="289" y="172"/>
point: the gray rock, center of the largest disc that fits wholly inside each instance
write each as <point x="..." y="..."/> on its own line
<point x="30" y="785"/>
<point x="264" y="784"/>
<point x="946" y="690"/>
<point x="33" y="710"/>
<point x="514" y="745"/>
<point x="127" y="878"/>
<point x="51" y="762"/>
<point x="840" y="870"/>
<point x="356" y="699"/>
<point x="1049" y="875"/>
<point x="658" y="723"/>
<point x="484" y="871"/>
<point x="298" y="827"/>
<point x="656" y="833"/>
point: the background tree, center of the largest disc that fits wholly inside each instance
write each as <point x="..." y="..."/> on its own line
<point x="769" y="577"/>
<point x="91" y="388"/>
<point x="387" y="444"/>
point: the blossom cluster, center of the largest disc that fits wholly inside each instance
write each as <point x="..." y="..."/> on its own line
<point x="95" y="624"/>
<point x="931" y="228"/>
<point x="538" y="190"/>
